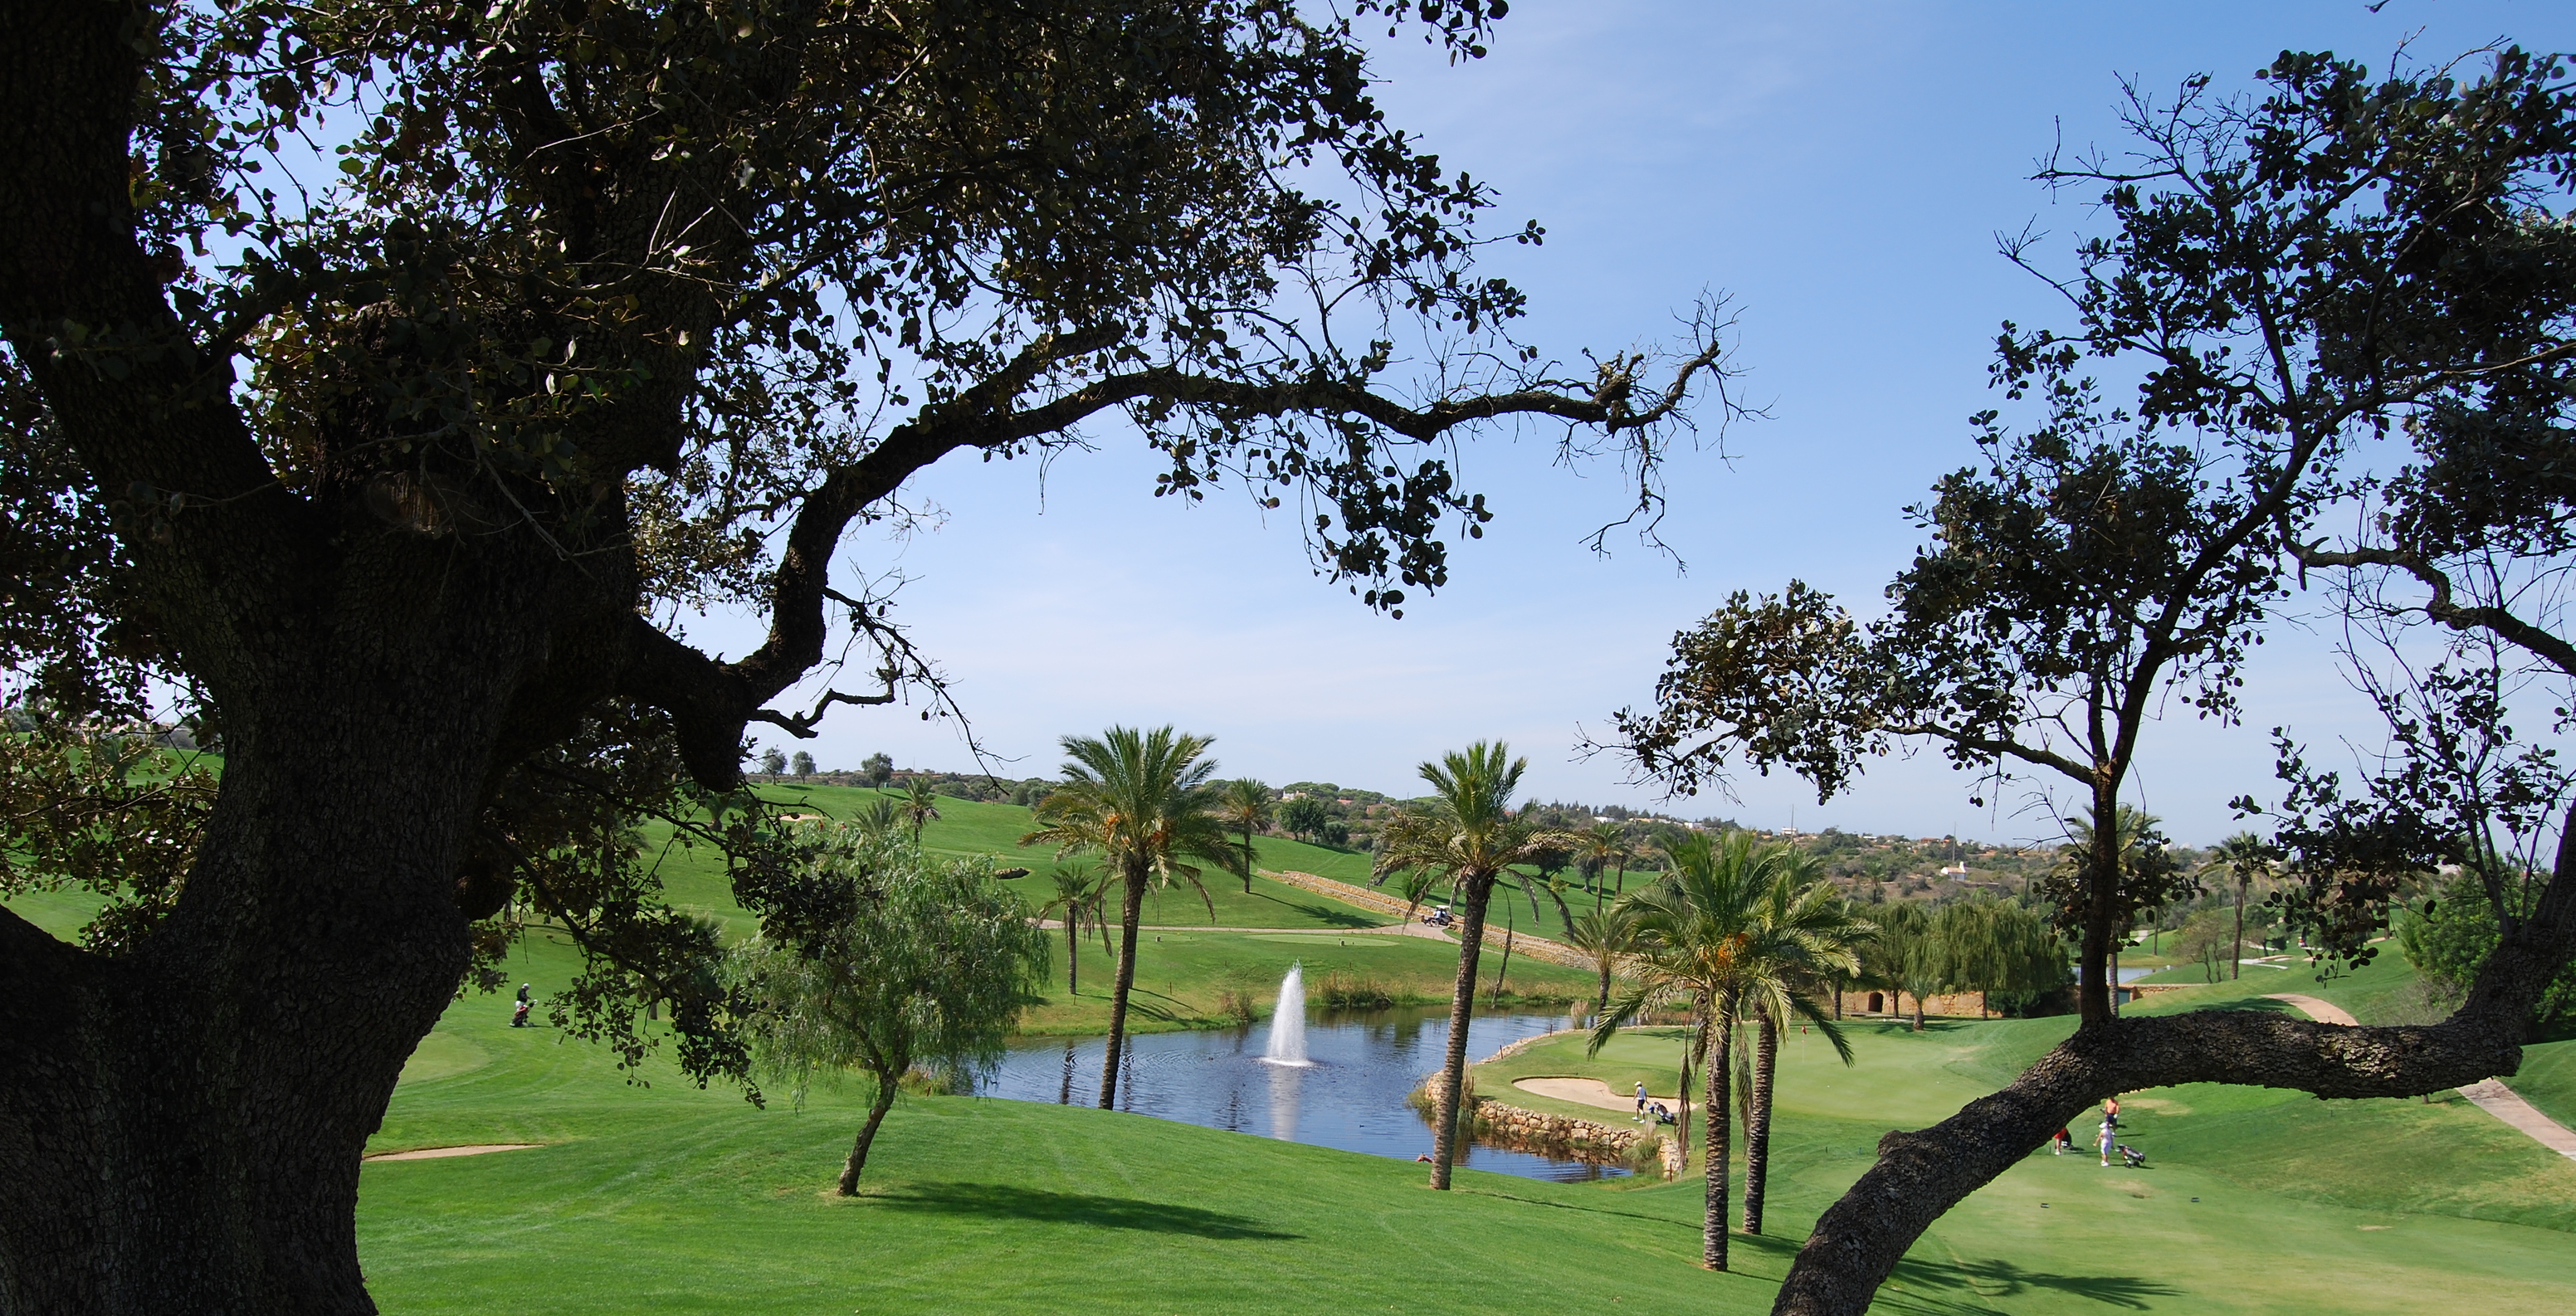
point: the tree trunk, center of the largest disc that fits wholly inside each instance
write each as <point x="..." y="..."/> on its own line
<point x="2236" y="955"/>
<point x="1601" y="1002"/>
<point x="1757" y="1124"/>
<point x="180" y="1127"/>
<point x="1131" y="908"/>
<point x="1503" y="969"/>
<point x="1921" y="1175"/>
<point x="1462" y="1007"/>
<point x="1248" y="862"/>
<point x="1720" y="1078"/>
<point x="877" y="1109"/>
<point x="1073" y="952"/>
<point x="2102" y="906"/>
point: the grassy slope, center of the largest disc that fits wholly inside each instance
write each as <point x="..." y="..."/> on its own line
<point x="669" y="1198"/>
<point x="2379" y="1203"/>
<point x="695" y="879"/>
<point x="674" y="1199"/>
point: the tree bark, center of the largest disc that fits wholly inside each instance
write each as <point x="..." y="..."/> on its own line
<point x="877" y="1109"/>
<point x="1478" y="889"/>
<point x="181" y="1127"/>
<point x="1920" y="1175"/>
<point x="1720" y="1115"/>
<point x="1131" y="908"/>
<point x="1757" y="1126"/>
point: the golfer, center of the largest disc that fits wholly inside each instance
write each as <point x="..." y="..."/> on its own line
<point x="1641" y="1101"/>
<point x="2108" y="1124"/>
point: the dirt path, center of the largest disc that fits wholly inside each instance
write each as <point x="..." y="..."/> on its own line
<point x="1589" y="1092"/>
<point x="442" y="1153"/>
<point x="2490" y="1095"/>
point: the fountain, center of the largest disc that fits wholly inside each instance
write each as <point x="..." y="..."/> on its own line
<point x="1288" y="1023"/>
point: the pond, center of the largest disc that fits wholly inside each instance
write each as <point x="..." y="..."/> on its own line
<point x="1351" y="1096"/>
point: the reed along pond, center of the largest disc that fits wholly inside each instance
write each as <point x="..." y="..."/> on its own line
<point x="1350" y="1094"/>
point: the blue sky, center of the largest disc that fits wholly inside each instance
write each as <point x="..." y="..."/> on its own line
<point x="1840" y="170"/>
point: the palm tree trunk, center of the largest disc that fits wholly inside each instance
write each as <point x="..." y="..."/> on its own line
<point x="1131" y="908"/>
<point x="1691" y="1044"/>
<point x="1757" y="1126"/>
<point x="1462" y="1007"/>
<point x="867" y="1134"/>
<point x="2236" y="955"/>
<point x="1248" y="862"/>
<point x="1603" y="1001"/>
<point x="1073" y="952"/>
<point x="1713" y="1224"/>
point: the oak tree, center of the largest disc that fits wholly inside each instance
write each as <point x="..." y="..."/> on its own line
<point x="387" y="382"/>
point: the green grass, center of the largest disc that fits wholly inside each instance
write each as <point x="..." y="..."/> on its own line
<point x="669" y="1198"/>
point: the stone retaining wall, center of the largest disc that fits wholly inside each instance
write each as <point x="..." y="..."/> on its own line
<point x="1513" y="1128"/>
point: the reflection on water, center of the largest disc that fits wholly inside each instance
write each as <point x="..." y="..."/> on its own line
<point x="1350" y="1095"/>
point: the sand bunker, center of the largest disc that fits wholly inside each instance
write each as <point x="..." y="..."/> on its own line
<point x="1589" y="1092"/>
<point x="441" y="1153"/>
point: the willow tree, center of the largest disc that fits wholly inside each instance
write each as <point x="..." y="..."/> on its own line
<point x="927" y="969"/>
<point x="398" y="462"/>
<point x="2346" y="301"/>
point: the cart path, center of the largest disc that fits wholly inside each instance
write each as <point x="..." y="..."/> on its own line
<point x="2490" y="1095"/>
<point x="442" y="1153"/>
<point x="1389" y="930"/>
<point x="2324" y="1012"/>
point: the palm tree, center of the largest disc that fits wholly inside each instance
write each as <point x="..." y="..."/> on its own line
<point x="1709" y="929"/>
<point x="1468" y="833"/>
<point x="1141" y="801"/>
<point x="1599" y="846"/>
<point x="877" y="817"/>
<point x="1080" y="891"/>
<point x="1604" y="936"/>
<point x="2244" y="857"/>
<point x="1246" y="806"/>
<point x="1820" y="933"/>
<point x="919" y="804"/>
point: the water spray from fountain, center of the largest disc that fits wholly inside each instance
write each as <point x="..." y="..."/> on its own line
<point x="1288" y="1024"/>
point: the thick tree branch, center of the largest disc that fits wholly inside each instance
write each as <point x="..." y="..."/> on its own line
<point x="713" y="701"/>
<point x="2443" y="605"/>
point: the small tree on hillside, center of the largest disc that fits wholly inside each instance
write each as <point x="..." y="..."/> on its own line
<point x="802" y="764"/>
<point x="878" y="768"/>
<point x="773" y="762"/>
<point x="1304" y="817"/>
<point x="927" y="966"/>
